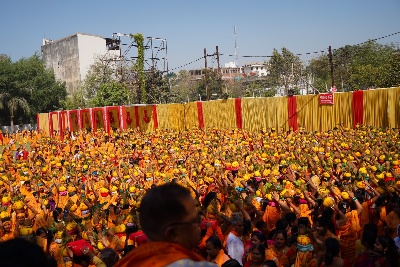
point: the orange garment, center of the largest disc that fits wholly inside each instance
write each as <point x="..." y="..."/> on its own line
<point x="157" y="254"/>
<point x="392" y="221"/>
<point x="282" y="257"/>
<point x="327" y="235"/>
<point x="305" y="212"/>
<point x="60" y="254"/>
<point x="209" y="233"/>
<point x="271" y="216"/>
<point x="305" y="259"/>
<point x="348" y="235"/>
<point x="364" y="215"/>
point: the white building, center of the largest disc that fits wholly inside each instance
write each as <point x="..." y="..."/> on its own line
<point x="255" y="69"/>
<point x="72" y="56"/>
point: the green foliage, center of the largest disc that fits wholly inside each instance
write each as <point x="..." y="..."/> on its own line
<point x="284" y="69"/>
<point x="213" y="82"/>
<point x="370" y="65"/>
<point x="157" y="86"/>
<point x="270" y="93"/>
<point x="182" y="88"/>
<point x="28" y="88"/>
<point x="100" y="72"/>
<point x="75" y="100"/>
<point x="110" y="93"/>
<point x="139" y="67"/>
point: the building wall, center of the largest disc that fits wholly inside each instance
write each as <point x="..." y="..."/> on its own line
<point x="63" y="57"/>
<point x="257" y="69"/>
<point x="90" y="48"/>
<point x="72" y="56"/>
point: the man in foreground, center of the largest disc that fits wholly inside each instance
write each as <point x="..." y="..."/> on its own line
<point x="169" y="218"/>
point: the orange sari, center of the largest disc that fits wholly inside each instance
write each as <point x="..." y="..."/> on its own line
<point x="392" y="221"/>
<point x="157" y="254"/>
<point x="305" y="259"/>
<point x="348" y="235"/>
<point x="271" y="216"/>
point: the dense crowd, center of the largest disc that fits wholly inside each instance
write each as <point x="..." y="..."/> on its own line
<point x="266" y="198"/>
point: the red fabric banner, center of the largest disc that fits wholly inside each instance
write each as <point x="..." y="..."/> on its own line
<point x="38" y="123"/>
<point x="51" y="124"/>
<point x="137" y="116"/>
<point x="292" y="113"/>
<point x="358" y="107"/>
<point x="155" y="119"/>
<point x="200" y="114"/>
<point x="238" y="111"/>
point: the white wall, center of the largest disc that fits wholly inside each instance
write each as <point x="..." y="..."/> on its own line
<point x="90" y="48"/>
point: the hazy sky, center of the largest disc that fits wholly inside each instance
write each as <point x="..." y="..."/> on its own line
<point x="190" y="26"/>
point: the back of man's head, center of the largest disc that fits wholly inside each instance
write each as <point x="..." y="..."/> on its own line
<point x="161" y="206"/>
<point x="21" y="253"/>
<point x="109" y="257"/>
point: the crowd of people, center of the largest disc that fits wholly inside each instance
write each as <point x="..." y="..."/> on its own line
<point x="207" y="197"/>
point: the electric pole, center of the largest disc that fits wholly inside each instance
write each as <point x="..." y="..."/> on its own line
<point x="205" y="75"/>
<point x="330" y="63"/>
<point x="219" y="70"/>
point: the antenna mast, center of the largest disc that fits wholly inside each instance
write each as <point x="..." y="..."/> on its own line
<point x="236" y="56"/>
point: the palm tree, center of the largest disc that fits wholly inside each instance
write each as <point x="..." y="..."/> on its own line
<point x="13" y="103"/>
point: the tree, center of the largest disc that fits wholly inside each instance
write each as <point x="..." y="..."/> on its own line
<point x="138" y="68"/>
<point x="111" y="93"/>
<point x="211" y="80"/>
<point x="75" y="100"/>
<point x="99" y="72"/>
<point x="13" y="103"/>
<point x="27" y="81"/>
<point x="182" y="87"/>
<point x="156" y="85"/>
<point x="369" y="65"/>
<point x="284" y="69"/>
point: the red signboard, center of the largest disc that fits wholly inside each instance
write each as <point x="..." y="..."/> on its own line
<point x="326" y="99"/>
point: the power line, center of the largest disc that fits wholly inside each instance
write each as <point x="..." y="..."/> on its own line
<point x="303" y="54"/>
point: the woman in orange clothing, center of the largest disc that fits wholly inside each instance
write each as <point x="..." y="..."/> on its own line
<point x="281" y="249"/>
<point x="258" y="238"/>
<point x="393" y="219"/>
<point x="348" y="233"/>
<point x="258" y="256"/>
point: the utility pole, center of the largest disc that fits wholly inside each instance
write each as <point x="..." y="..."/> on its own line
<point x="219" y="70"/>
<point x="205" y="74"/>
<point x="330" y="63"/>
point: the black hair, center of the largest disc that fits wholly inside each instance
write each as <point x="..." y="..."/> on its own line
<point x="290" y="217"/>
<point x="303" y="221"/>
<point x="369" y="235"/>
<point x="208" y="198"/>
<point x="391" y="252"/>
<point x="215" y="241"/>
<point x="284" y="233"/>
<point x="281" y="224"/>
<point x="56" y="212"/>
<point x="327" y="222"/>
<point x="269" y="263"/>
<point x="109" y="257"/>
<point x="161" y="206"/>
<point x="231" y="263"/>
<point x="260" y="248"/>
<point x="332" y="250"/>
<point x="260" y="225"/>
<point x="260" y="236"/>
<point x="22" y="253"/>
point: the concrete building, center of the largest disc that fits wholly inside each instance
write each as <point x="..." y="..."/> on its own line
<point x="72" y="56"/>
<point x="255" y="69"/>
